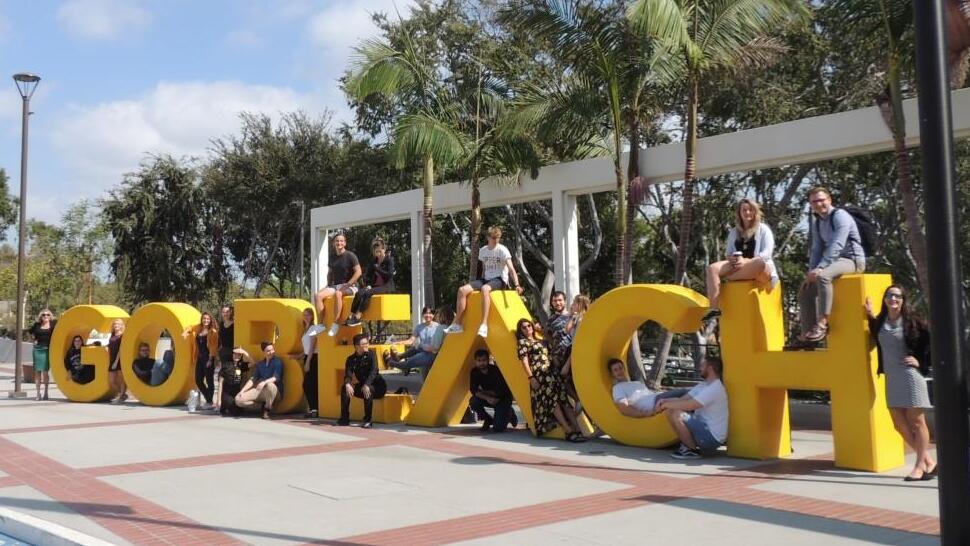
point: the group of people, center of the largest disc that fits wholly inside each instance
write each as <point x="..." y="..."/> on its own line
<point x="837" y="248"/>
<point x="698" y="415"/>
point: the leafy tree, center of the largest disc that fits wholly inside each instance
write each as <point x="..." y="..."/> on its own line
<point x="8" y="205"/>
<point x="408" y="75"/>
<point x="167" y="244"/>
<point x="707" y="37"/>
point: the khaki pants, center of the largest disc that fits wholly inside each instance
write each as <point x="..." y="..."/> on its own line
<point x="252" y="397"/>
<point x="815" y="300"/>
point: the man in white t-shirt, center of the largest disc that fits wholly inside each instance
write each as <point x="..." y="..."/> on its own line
<point x="497" y="267"/>
<point x="699" y="417"/>
<point x="632" y="398"/>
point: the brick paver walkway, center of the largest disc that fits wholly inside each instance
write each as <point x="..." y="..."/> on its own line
<point x="806" y="495"/>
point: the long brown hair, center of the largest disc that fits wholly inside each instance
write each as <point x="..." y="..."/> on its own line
<point x="912" y="321"/>
<point x="745" y="232"/>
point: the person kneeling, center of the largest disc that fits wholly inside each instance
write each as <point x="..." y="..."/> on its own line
<point x="632" y="398"/>
<point x="361" y="380"/>
<point x="266" y="384"/>
<point x="489" y="390"/>
<point x="700" y="417"/>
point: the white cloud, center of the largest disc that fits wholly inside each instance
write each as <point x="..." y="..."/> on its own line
<point x="100" y="143"/>
<point x="103" y="19"/>
<point x="344" y="23"/>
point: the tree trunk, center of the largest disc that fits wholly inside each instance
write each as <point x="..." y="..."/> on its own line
<point x="476" y="229"/>
<point x="683" y="247"/>
<point x="632" y="172"/>
<point x="428" y="217"/>
<point x="891" y="107"/>
<point x="621" y="199"/>
<point x="268" y="265"/>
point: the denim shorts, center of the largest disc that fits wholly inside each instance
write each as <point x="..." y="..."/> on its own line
<point x="701" y="432"/>
<point x="496" y="284"/>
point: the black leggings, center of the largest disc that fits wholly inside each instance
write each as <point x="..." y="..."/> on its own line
<point x="310" y="386"/>
<point x="362" y="299"/>
<point x="204" y="378"/>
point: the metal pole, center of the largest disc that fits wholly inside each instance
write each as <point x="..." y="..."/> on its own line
<point x="302" y="244"/>
<point x="946" y="318"/>
<point x="21" y="256"/>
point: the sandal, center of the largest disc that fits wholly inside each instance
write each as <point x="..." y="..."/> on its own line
<point x="575" y="437"/>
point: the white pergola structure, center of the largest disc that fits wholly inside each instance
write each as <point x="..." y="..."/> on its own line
<point x="806" y="140"/>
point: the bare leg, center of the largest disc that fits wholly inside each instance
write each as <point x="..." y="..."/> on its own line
<point x="570" y="416"/>
<point x="47" y="381"/>
<point x="320" y="299"/>
<point x="561" y="419"/>
<point x="460" y="302"/>
<point x="921" y="438"/>
<point x="749" y="271"/>
<point x="902" y="426"/>
<point x="676" y="420"/>
<point x="338" y="305"/>
<point x="714" y="273"/>
<point x="486" y="302"/>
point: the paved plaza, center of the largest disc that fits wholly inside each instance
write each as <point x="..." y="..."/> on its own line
<point x="137" y="475"/>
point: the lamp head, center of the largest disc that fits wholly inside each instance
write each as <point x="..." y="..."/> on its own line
<point x="26" y="83"/>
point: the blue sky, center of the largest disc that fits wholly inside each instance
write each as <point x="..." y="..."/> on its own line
<point x="126" y="77"/>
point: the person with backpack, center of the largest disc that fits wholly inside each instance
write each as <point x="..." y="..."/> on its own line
<point x="836" y="249"/>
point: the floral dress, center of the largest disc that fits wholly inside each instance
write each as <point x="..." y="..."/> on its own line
<point x="550" y="392"/>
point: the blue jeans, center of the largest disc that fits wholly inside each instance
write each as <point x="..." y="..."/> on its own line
<point x="701" y="432"/>
<point x="160" y="372"/>
<point x="417" y="358"/>
<point x="502" y="410"/>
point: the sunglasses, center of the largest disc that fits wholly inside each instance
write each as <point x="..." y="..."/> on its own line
<point x="892" y="296"/>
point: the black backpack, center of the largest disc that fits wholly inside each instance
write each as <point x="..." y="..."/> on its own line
<point x="866" y="225"/>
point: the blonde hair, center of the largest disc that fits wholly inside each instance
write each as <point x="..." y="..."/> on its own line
<point x="746" y="233"/>
<point x="494" y="231"/>
<point x="120" y="323"/>
<point x="41" y="314"/>
<point x="582" y="301"/>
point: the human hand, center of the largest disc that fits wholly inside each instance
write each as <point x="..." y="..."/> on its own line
<point x="812" y="276"/>
<point x="868" y="306"/>
<point x="911" y="361"/>
<point x="533" y="382"/>
<point x="349" y="389"/>
<point x="518" y="290"/>
<point x="366" y="391"/>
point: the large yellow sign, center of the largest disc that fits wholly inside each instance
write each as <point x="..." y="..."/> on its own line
<point x="79" y="321"/>
<point x="757" y="371"/>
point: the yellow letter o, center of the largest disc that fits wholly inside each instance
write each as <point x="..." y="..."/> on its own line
<point x="146" y="326"/>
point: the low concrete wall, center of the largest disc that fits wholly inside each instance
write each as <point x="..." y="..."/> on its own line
<point x="8" y="348"/>
<point x="43" y="533"/>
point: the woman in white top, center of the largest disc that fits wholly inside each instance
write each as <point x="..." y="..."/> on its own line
<point x="312" y="331"/>
<point x="749" y="249"/>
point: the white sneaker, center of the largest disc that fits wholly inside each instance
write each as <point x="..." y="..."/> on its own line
<point x="483" y="331"/>
<point x="333" y="329"/>
<point x="455" y="328"/>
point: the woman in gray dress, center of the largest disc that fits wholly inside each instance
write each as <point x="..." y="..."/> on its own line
<point x="903" y="345"/>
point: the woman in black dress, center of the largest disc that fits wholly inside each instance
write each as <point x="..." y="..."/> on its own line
<point x="378" y="279"/>
<point x="115" y="376"/>
<point x="41" y="331"/>
<point x="550" y="405"/>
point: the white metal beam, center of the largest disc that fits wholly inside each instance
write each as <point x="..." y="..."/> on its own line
<point x="806" y="140"/>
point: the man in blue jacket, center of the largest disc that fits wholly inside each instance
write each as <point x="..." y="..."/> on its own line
<point x="836" y="250"/>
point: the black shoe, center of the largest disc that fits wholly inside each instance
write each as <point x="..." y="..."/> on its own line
<point x="711" y="315"/>
<point x="352" y="321"/>
<point x="367" y="424"/>
<point x="343" y="422"/>
<point x="486" y="424"/>
<point x="514" y="420"/>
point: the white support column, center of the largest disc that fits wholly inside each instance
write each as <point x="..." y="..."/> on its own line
<point x="320" y="252"/>
<point x="417" y="257"/>
<point x="565" y="243"/>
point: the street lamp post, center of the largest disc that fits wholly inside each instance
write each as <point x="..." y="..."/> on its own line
<point x="26" y="85"/>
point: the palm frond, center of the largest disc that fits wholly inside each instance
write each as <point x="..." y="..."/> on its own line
<point x="422" y="135"/>
<point x="665" y="20"/>
<point x="377" y="68"/>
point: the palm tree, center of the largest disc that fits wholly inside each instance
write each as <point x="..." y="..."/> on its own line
<point x="708" y="37"/>
<point x="425" y="132"/>
<point x="601" y="98"/>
